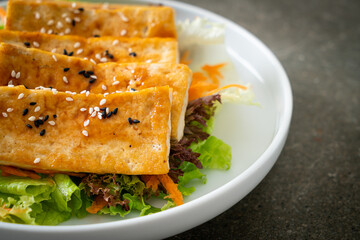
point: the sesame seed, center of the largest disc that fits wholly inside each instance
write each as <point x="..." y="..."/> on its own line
<point x="103" y="115"/>
<point x="21" y="95"/>
<point x="50" y="31"/>
<point x="93" y="114"/>
<point x="36" y="44"/>
<point x="115" y="42"/>
<point x="115" y="83"/>
<point x="10" y="82"/>
<point x="97" y="109"/>
<point x="46" y="118"/>
<point x="82" y="109"/>
<point x="133" y="54"/>
<point x="92" y="60"/>
<point x="76" y="11"/>
<point x="87" y="93"/>
<point x="10" y="85"/>
<point x="37" y="109"/>
<point x="37" y="160"/>
<point x="42" y="132"/>
<point x="66" y="69"/>
<point x="135" y="121"/>
<point x="130" y="121"/>
<point x="59" y="25"/>
<point x="52" y="123"/>
<point x="54" y="116"/>
<point x="90" y="72"/>
<point x="17" y="75"/>
<point x="98" y="55"/>
<point x="77" y="19"/>
<point x="9" y="110"/>
<point x="27" y="44"/>
<point x="25" y="111"/>
<point x="123" y="32"/>
<point x="100" y="116"/>
<point x="54" y="91"/>
<point x="64" y="15"/>
<point x="32" y="118"/>
<point x="83" y="91"/>
<point x="92" y="80"/>
<point x="132" y="90"/>
<point x="92" y="76"/>
<point x="102" y="102"/>
<point x="91" y="110"/>
<point x="77" y="44"/>
<point x="42" y="30"/>
<point x="69" y="99"/>
<point x="65" y="79"/>
<point x="96" y="36"/>
<point x="73" y="5"/>
<point x="32" y="103"/>
<point x="79" y="51"/>
<point x="37" y="15"/>
<point x="54" y="57"/>
<point x="115" y="111"/>
<point x="70" y="54"/>
<point x="50" y="22"/>
<point x="81" y="9"/>
<point x="132" y="71"/>
<point x="53" y="50"/>
<point x="148" y="61"/>
<point x="107" y="110"/>
<point x="109" y="114"/>
<point x="29" y="126"/>
<point x="86" y="123"/>
<point x="40" y="118"/>
<point x="105" y="94"/>
<point x="122" y="16"/>
<point x="4" y="114"/>
<point x="67" y="31"/>
<point x="104" y="59"/>
<point x="73" y="22"/>
<point x="85" y="133"/>
<point x="68" y="20"/>
<point x="13" y="73"/>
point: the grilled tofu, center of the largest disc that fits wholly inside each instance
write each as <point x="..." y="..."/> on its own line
<point x="102" y="49"/>
<point x="87" y="20"/>
<point x="34" y="68"/>
<point x="64" y="132"/>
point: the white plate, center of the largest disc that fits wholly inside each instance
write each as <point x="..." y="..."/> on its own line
<point x="256" y="135"/>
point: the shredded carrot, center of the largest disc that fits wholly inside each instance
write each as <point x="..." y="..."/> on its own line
<point x="184" y="58"/>
<point x="98" y="204"/>
<point x="226" y="87"/>
<point x="151" y="181"/>
<point x="171" y="188"/>
<point x="198" y="77"/>
<point x="2" y="14"/>
<point x="214" y="72"/>
<point x="200" y="89"/>
<point x="17" y="172"/>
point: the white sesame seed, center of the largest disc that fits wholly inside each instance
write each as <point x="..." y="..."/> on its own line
<point x="32" y="118"/>
<point x="21" y="95"/>
<point x="10" y="82"/>
<point x="115" y="83"/>
<point x="13" y="73"/>
<point x="92" y="60"/>
<point x="69" y="92"/>
<point x="36" y="44"/>
<point x="79" y="51"/>
<point x="50" y="22"/>
<point x="86" y="58"/>
<point x="69" y="99"/>
<point x="37" y="160"/>
<point x="54" y="57"/>
<point x="132" y="71"/>
<point x="117" y="91"/>
<point x="59" y="25"/>
<point x="99" y="116"/>
<point x="98" y="55"/>
<point x="115" y="42"/>
<point x="85" y="133"/>
<point x="82" y="109"/>
<point x="87" y="93"/>
<point x="67" y="31"/>
<point x="93" y="76"/>
<point x="50" y="31"/>
<point x="37" y="15"/>
<point x="64" y="15"/>
<point x="42" y="30"/>
<point x="122" y="16"/>
<point x="41" y="118"/>
<point x="77" y="19"/>
<point x="104" y="59"/>
<point x="148" y="61"/>
<point x="93" y="114"/>
<point x="105" y="94"/>
<point x="4" y="114"/>
<point x="97" y="109"/>
<point x="9" y="109"/>
<point x="73" y="5"/>
<point x="52" y="123"/>
<point x="102" y="102"/>
<point x="114" y="78"/>
<point x="37" y="109"/>
<point x="86" y="123"/>
<point x="65" y="79"/>
<point x="68" y="20"/>
<point x="17" y="75"/>
<point x="77" y="44"/>
<point x="76" y="11"/>
<point x="123" y="32"/>
<point x="83" y="91"/>
<point x="91" y="110"/>
<point x="54" y="91"/>
<point x="53" y="50"/>
<point x="107" y="110"/>
<point x="10" y="85"/>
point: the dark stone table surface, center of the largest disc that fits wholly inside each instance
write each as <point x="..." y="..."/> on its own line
<point x="313" y="191"/>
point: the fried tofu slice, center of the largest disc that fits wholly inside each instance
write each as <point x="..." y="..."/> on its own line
<point x="102" y="49"/>
<point x="34" y="68"/>
<point x="87" y="20"/>
<point x="58" y="132"/>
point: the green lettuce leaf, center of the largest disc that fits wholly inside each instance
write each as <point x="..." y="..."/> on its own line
<point x="191" y="172"/>
<point x="215" y="154"/>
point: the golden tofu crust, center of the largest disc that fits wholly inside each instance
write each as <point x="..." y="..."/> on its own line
<point x="59" y="131"/>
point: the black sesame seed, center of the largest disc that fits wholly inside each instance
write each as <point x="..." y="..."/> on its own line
<point x="28" y="125"/>
<point x="42" y="132"/>
<point x="132" y="54"/>
<point x="90" y="72"/>
<point x="103" y="109"/>
<point x="103" y="114"/>
<point x="109" y="114"/>
<point x="115" y="111"/>
<point x="92" y="80"/>
<point x="32" y="103"/>
<point x="27" y="44"/>
<point x="54" y="116"/>
<point x="86" y="75"/>
<point x="73" y="22"/>
<point x="129" y="145"/>
<point x="25" y="111"/>
<point x="81" y="9"/>
<point x="106" y="52"/>
<point x="26" y="87"/>
<point x="110" y="56"/>
<point x="133" y="89"/>
<point x="46" y="118"/>
<point x="81" y="72"/>
<point x="66" y="69"/>
<point x="70" y="54"/>
<point x="130" y="121"/>
<point x="36" y="123"/>
<point x="65" y="52"/>
<point x="96" y="35"/>
<point x="135" y="121"/>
